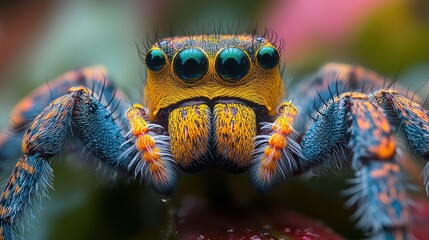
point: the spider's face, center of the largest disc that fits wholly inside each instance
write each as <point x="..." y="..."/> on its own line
<point x="210" y="93"/>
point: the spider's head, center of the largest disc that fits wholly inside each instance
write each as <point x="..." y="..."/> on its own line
<point x="210" y="93"/>
<point x="211" y="68"/>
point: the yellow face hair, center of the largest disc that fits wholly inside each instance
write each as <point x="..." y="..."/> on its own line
<point x="172" y="79"/>
<point x="210" y="93"/>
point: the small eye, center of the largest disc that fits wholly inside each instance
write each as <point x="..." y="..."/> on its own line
<point x="268" y="57"/>
<point x="190" y="65"/>
<point x="155" y="60"/>
<point x="232" y="64"/>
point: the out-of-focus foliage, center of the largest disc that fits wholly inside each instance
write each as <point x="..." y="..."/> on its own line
<point x="395" y="37"/>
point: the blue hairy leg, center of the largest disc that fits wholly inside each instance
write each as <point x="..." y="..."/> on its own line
<point x="41" y="141"/>
<point x="81" y="111"/>
<point x="405" y="114"/>
<point x="350" y="113"/>
<point x="29" y="182"/>
<point x="352" y="125"/>
<point x="29" y="107"/>
<point x="413" y="121"/>
<point x="348" y="128"/>
<point x="99" y="132"/>
<point x="332" y="80"/>
<point x="379" y="189"/>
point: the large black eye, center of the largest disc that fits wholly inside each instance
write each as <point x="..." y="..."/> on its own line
<point x="155" y="60"/>
<point x="190" y="64"/>
<point x="232" y="64"/>
<point x="268" y="57"/>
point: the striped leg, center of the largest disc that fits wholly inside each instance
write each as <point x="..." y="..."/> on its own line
<point x="413" y="122"/>
<point x="330" y="139"/>
<point x="29" y="181"/>
<point x="79" y="111"/>
<point x="32" y="173"/>
<point x="152" y="159"/>
<point x="95" y="78"/>
<point x="352" y="122"/>
<point x="273" y="161"/>
<point x="378" y="188"/>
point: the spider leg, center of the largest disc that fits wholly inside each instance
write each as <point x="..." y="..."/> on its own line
<point x="79" y="111"/>
<point x="331" y="80"/>
<point x="152" y="157"/>
<point x="95" y="78"/>
<point x="28" y="108"/>
<point x="412" y="119"/>
<point x="32" y="173"/>
<point x="352" y="121"/>
<point x="273" y="161"/>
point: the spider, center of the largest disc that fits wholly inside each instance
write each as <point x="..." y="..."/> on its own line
<point x="217" y="101"/>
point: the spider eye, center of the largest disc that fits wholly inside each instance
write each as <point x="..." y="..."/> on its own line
<point x="155" y="60"/>
<point x="190" y="65"/>
<point x="232" y="64"/>
<point x="268" y="57"/>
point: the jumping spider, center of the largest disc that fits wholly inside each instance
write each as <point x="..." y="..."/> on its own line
<point x="217" y="100"/>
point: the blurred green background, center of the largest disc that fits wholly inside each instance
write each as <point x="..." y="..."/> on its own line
<point x="39" y="41"/>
